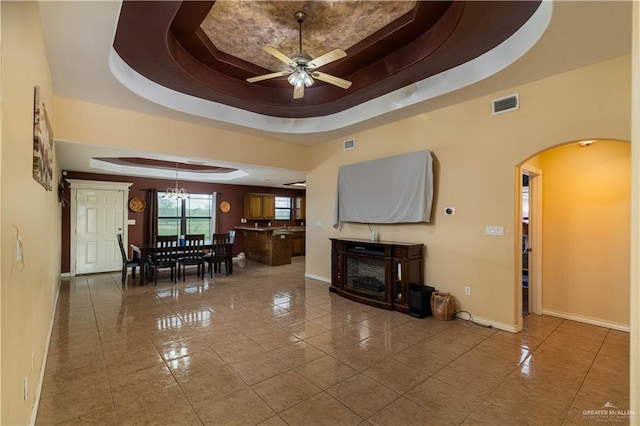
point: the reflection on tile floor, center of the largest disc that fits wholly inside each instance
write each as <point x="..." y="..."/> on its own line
<point x="267" y="346"/>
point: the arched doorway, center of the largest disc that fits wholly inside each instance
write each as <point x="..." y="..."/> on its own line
<point x="584" y="232"/>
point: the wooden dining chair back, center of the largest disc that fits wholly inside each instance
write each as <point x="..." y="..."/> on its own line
<point x="219" y="254"/>
<point x="192" y="254"/>
<point x="164" y="255"/>
<point x="128" y="263"/>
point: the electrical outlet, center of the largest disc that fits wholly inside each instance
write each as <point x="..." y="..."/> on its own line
<point x="467" y="291"/>
<point x="243" y="220"/>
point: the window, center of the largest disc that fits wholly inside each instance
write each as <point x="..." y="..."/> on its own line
<point x="169" y="215"/>
<point x="283" y="208"/>
<point x="193" y="215"/>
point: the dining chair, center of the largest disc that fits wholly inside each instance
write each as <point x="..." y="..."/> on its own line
<point x="192" y="254"/>
<point x="164" y="256"/>
<point x="219" y="253"/>
<point x="128" y="263"/>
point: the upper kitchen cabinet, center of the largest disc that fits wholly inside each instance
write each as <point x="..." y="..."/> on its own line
<point x="259" y="206"/>
<point x="299" y="212"/>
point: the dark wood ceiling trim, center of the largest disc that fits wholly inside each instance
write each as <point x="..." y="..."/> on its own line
<point x="163" y="41"/>
<point x="188" y="33"/>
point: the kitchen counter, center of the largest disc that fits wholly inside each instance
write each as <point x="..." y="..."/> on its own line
<point x="275" y="229"/>
<point x="270" y="245"/>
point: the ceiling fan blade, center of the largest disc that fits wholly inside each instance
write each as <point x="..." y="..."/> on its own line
<point x="267" y="76"/>
<point x="336" y="81"/>
<point x="298" y="92"/>
<point x="321" y="60"/>
<point x="279" y="55"/>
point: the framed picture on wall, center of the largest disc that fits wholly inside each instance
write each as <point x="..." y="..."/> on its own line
<point x="42" y="142"/>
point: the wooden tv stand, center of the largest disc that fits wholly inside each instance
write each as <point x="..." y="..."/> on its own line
<point x="376" y="273"/>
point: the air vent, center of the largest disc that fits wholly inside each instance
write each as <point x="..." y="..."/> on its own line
<point x="506" y="104"/>
<point x="349" y="144"/>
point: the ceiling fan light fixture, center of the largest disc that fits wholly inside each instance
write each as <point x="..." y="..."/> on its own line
<point x="302" y="68"/>
<point x="293" y="78"/>
<point x="299" y="78"/>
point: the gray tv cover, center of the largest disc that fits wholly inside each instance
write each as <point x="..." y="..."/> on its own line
<point x="395" y="189"/>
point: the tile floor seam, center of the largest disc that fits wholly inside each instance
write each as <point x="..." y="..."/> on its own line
<point x="183" y="392"/>
<point x="486" y="398"/>
<point x="104" y="360"/>
<point x="506" y="377"/>
<point x="523" y="361"/>
<point x="584" y="378"/>
<point x="324" y="391"/>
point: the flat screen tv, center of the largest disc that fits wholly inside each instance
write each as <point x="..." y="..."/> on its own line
<point x="396" y="189"/>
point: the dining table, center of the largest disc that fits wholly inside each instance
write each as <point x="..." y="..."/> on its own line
<point x="143" y="251"/>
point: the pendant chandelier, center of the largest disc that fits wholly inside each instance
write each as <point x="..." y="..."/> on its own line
<point x="176" y="193"/>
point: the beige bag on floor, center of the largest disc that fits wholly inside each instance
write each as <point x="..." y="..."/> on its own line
<point x="442" y="306"/>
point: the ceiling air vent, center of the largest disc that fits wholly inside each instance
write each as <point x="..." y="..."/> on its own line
<point x="506" y="104"/>
<point x="349" y="144"/>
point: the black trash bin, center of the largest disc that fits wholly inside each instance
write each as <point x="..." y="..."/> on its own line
<point x="420" y="300"/>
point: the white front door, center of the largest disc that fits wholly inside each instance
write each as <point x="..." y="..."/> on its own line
<point x="99" y="219"/>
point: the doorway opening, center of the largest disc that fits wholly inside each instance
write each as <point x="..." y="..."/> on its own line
<point x="524" y="219"/>
<point x="530" y="234"/>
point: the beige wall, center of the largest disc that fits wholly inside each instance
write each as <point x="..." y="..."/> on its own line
<point x="586" y="230"/>
<point x="84" y="122"/>
<point x="634" y="300"/>
<point x="27" y="294"/>
<point x="476" y="158"/>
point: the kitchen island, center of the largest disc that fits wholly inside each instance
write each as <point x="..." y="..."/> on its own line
<point x="270" y="245"/>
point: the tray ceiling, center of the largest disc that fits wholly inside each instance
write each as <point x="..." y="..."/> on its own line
<point x="208" y="49"/>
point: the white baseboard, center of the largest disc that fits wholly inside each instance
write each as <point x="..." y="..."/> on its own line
<point x="512" y="328"/>
<point x="36" y="404"/>
<point x="66" y="275"/>
<point x="318" y="278"/>
<point x="586" y="320"/>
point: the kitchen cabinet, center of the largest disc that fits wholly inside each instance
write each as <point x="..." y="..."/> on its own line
<point x="299" y="212"/>
<point x="268" y="245"/>
<point x="298" y="244"/>
<point x="259" y="206"/>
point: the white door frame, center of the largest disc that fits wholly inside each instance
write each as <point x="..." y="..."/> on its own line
<point x="76" y="184"/>
<point x="535" y="240"/>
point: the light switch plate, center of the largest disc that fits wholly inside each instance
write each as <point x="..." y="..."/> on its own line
<point x="494" y="230"/>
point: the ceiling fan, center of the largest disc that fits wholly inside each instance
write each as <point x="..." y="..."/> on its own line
<point x="303" y="69"/>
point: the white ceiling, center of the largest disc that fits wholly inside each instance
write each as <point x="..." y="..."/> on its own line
<point x="78" y="37"/>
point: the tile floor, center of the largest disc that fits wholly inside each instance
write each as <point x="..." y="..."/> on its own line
<point x="267" y="346"/>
